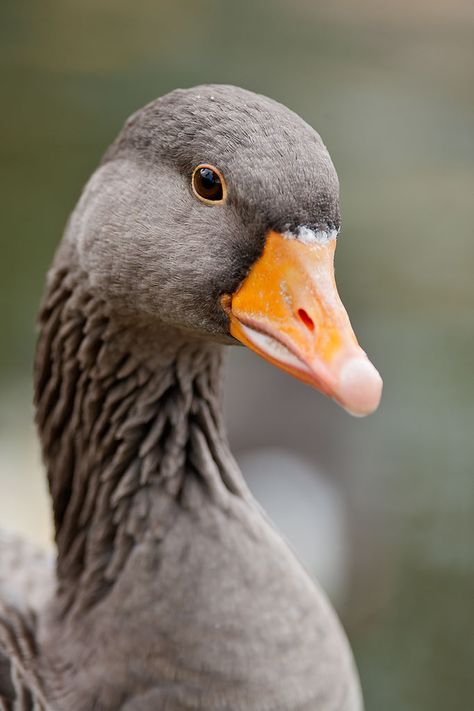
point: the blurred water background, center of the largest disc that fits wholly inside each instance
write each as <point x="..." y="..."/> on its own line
<point x="381" y="510"/>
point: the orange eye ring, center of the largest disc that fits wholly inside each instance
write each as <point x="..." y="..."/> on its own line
<point x="208" y="184"/>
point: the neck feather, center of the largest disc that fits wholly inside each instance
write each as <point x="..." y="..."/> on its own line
<point x="126" y="437"/>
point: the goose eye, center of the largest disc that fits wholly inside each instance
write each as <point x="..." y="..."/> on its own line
<point x="208" y="184"/>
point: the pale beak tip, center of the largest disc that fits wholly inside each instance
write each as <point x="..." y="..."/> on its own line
<point x="360" y="387"/>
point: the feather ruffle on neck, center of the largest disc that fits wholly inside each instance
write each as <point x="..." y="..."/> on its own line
<point x="126" y="439"/>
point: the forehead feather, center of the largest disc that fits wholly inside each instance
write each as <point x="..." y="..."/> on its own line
<point x="264" y="148"/>
<point x="223" y="119"/>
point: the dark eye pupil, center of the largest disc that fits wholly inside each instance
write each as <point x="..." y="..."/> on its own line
<point x="208" y="184"/>
<point x="208" y="178"/>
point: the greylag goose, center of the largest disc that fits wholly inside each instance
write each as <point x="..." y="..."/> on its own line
<point x="211" y="219"/>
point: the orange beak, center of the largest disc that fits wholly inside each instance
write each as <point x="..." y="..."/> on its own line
<point x="288" y="311"/>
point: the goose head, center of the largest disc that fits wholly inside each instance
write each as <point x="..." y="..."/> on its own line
<point x="216" y="212"/>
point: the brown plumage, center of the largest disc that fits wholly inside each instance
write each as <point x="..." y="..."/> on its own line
<point x="172" y="591"/>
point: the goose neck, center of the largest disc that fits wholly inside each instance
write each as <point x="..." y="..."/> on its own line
<point x="131" y="429"/>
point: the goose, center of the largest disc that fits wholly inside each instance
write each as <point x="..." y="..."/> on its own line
<point x="212" y="220"/>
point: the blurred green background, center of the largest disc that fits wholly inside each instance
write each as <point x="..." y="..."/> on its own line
<point x="390" y="87"/>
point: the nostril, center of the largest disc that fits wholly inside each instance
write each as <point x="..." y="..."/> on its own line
<point x="306" y="318"/>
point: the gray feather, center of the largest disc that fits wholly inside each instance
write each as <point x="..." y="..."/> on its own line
<point x="172" y="589"/>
